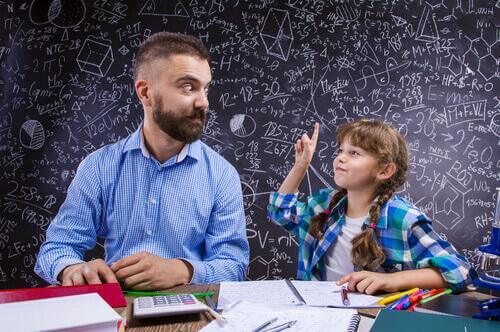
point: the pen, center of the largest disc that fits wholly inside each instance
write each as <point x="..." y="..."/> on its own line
<point x="432" y="292"/>
<point x="281" y="327"/>
<point x="392" y="298"/>
<point x="404" y="302"/>
<point x="422" y="294"/>
<point x="263" y="325"/>
<point x="412" y="307"/>
<point x="210" y="303"/>
<point x="345" y="297"/>
<point x="417" y="296"/>
<point x="140" y="293"/>
<point x="430" y="298"/>
<point x="397" y="305"/>
<point x="215" y="314"/>
<point x="295" y="291"/>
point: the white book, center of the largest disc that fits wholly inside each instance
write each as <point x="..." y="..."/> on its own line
<point x="86" y="312"/>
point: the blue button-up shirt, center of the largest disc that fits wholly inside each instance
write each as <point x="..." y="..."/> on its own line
<point x="189" y="207"/>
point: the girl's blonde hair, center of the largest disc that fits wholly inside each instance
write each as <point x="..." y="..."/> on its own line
<point x="388" y="146"/>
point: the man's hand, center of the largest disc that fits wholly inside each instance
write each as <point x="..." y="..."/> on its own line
<point x="370" y="282"/>
<point x="145" y="271"/>
<point x="87" y="273"/>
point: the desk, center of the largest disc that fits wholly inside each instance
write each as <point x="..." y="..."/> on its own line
<point x="197" y="321"/>
<point x="192" y="322"/>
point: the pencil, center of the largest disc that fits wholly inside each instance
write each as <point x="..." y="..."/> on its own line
<point x="395" y="297"/>
<point x="430" y="298"/>
<point x="215" y="314"/>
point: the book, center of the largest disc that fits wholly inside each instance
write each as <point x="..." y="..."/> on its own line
<point x="396" y="320"/>
<point x="245" y="316"/>
<point x="85" y="312"/>
<point x="295" y="292"/>
<point x="450" y="305"/>
<point x="111" y="293"/>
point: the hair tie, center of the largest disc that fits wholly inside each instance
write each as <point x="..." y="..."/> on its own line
<point x="372" y="225"/>
<point x="327" y="211"/>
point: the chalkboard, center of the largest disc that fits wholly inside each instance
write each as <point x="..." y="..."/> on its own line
<point x="430" y="68"/>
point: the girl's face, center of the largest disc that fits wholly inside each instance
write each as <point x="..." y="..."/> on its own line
<point x="354" y="167"/>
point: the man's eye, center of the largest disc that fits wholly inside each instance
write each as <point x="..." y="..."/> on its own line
<point x="187" y="88"/>
<point x="354" y="153"/>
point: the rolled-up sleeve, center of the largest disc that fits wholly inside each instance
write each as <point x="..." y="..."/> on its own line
<point x="283" y="210"/>
<point x="73" y="230"/>
<point x="428" y="249"/>
<point x="288" y="212"/>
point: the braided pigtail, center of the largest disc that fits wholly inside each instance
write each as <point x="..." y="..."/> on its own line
<point x="318" y="221"/>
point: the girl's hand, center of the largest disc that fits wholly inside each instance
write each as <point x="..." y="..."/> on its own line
<point x="370" y="282"/>
<point x="305" y="146"/>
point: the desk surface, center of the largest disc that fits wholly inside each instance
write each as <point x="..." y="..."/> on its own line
<point x="195" y="322"/>
<point x="192" y="322"/>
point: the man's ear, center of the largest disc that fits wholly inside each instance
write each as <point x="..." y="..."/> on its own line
<point x="143" y="92"/>
<point x="386" y="171"/>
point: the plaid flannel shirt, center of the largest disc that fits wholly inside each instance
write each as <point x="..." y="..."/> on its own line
<point x="404" y="232"/>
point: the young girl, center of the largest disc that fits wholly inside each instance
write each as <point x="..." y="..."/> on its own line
<point x="363" y="234"/>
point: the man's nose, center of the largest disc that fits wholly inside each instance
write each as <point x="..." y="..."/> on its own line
<point x="201" y="101"/>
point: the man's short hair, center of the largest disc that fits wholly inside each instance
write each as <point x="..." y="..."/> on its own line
<point x="162" y="45"/>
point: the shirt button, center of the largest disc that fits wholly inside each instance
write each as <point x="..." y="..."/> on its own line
<point x="148" y="232"/>
<point x="152" y="201"/>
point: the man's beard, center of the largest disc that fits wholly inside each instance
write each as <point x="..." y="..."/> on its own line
<point x="179" y="127"/>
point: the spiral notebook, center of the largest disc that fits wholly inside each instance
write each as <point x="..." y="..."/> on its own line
<point x="311" y="293"/>
<point x="247" y="316"/>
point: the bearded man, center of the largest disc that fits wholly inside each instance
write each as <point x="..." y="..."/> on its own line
<point x="169" y="208"/>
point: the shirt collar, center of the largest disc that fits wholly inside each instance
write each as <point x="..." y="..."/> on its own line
<point x="136" y="142"/>
<point x="339" y="210"/>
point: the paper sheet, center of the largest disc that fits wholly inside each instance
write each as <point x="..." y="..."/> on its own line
<point x="327" y="293"/>
<point x="265" y="291"/>
<point x="245" y="316"/>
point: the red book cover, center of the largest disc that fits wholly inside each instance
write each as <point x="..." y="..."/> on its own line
<point x="111" y="293"/>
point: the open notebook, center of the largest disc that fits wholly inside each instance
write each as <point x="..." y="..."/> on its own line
<point x="246" y="316"/>
<point x="311" y="293"/>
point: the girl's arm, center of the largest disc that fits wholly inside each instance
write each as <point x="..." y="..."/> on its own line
<point x="304" y="151"/>
<point x="371" y="282"/>
<point x="422" y="278"/>
<point x="283" y="207"/>
<point x="437" y="263"/>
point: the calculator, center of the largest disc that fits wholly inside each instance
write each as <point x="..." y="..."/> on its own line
<point x="167" y="305"/>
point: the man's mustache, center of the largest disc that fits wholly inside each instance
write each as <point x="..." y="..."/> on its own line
<point x="198" y="113"/>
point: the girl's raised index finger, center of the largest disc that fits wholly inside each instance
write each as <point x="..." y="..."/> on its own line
<point x="315" y="134"/>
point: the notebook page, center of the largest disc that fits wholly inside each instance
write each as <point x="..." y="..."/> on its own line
<point x="246" y="316"/>
<point x="265" y="291"/>
<point x="327" y="293"/>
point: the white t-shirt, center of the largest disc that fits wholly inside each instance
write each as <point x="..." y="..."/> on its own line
<point x="337" y="259"/>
